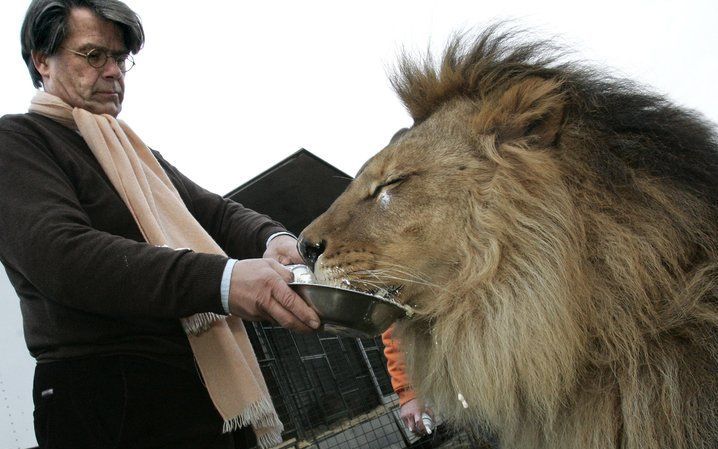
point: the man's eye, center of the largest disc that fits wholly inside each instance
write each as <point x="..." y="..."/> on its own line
<point x="95" y="58"/>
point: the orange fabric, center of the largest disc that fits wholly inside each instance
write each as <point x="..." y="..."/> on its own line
<point x="396" y="367"/>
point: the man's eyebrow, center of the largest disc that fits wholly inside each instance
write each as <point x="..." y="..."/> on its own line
<point x="90" y="46"/>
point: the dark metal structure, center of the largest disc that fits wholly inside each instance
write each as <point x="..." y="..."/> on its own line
<point x="294" y="191"/>
<point x="330" y="392"/>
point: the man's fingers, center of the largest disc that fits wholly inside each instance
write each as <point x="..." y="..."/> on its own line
<point x="276" y="311"/>
<point x="409" y="421"/>
<point x="296" y="305"/>
<point x="287" y="308"/>
<point x="284" y="272"/>
<point x="285" y="318"/>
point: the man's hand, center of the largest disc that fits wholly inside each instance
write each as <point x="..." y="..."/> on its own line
<point x="283" y="249"/>
<point x="411" y="412"/>
<point x="259" y="291"/>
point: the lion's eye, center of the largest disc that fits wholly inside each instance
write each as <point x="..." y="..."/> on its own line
<point x="385" y="184"/>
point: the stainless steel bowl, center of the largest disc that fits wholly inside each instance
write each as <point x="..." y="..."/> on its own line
<point x="350" y="313"/>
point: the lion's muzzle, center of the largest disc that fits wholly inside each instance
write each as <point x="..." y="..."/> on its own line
<point x="310" y="250"/>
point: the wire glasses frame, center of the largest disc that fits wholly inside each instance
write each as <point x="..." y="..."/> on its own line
<point x="98" y="58"/>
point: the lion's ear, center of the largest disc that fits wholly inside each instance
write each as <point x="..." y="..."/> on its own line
<point x="398" y="134"/>
<point x="530" y="109"/>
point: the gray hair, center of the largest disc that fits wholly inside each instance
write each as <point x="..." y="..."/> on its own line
<point x="46" y="26"/>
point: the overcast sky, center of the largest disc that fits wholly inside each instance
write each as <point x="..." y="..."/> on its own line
<point x="226" y="89"/>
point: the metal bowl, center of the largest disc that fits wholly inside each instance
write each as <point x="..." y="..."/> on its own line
<point x="350" y="313"/>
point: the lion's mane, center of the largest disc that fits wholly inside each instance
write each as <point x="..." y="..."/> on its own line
<point x="584" y="308"/>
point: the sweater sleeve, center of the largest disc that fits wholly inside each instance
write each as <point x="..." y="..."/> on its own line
<point x="242" y="233"/>
<point x="48" y="239"/>
<point x="396" y="367"/>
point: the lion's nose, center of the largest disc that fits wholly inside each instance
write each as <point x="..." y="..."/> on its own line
<point x="310" y="251"/>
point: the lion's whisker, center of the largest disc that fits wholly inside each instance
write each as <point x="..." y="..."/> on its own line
<point x="384" y="275"/>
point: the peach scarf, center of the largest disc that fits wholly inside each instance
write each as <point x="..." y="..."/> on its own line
<point x="220" y="344"/>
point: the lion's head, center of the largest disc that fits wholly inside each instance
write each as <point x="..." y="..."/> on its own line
<point x="556" y="232"/>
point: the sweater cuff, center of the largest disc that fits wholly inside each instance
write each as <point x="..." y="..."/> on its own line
<point x="277" y="234"/>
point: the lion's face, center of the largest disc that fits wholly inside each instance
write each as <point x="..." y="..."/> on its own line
<point x="430" y="210"/>
<point x="401" y="224"/>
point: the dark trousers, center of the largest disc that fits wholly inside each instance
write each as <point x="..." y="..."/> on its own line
<point x="124" y="402"/>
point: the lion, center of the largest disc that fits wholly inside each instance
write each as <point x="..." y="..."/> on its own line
<point x="555" y="230"/>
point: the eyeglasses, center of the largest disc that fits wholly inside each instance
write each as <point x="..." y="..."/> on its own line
<point x="98" y="58"/>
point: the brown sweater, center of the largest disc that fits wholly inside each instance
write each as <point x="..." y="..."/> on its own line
<point x="88" y="282"/>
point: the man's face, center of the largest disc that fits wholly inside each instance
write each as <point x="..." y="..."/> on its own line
<point x="71" y="78"/>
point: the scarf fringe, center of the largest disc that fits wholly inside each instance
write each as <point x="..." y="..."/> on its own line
<point x="199" y="323"/>
<point x="270" y="439"/>
<point x="259" y="414"/>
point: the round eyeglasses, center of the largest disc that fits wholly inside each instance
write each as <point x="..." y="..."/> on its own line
<point x="98" y="58"/>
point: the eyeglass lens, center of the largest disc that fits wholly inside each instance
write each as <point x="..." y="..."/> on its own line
<point x="98" y="59"/>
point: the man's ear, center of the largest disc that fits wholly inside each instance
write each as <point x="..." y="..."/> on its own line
<point x="39" y="60"/>
<point x="531" y="109"/>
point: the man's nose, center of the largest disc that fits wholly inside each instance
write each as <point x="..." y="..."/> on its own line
<point x="111" y="69"/>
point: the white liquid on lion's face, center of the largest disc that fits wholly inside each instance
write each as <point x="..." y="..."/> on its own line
<point x="384" y="200"/>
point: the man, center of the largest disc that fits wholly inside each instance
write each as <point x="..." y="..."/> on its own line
<point x="125" y="268"/>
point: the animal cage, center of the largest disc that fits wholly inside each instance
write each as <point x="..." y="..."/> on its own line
<point x="335" y="393"/>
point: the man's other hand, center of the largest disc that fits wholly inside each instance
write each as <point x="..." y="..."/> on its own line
<point x="283" y="249"/>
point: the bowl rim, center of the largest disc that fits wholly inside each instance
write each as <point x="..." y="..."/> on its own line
<point x="408" y="311"/>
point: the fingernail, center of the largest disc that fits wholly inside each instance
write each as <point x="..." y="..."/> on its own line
<point x="314" y="324"/>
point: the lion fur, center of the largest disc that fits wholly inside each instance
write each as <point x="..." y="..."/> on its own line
<point x="578" y="301"/>
<point x="595" y="277"/>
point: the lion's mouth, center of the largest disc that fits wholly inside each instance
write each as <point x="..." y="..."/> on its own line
<point x="388" y="292"/>
<point x="361" y="278"/>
